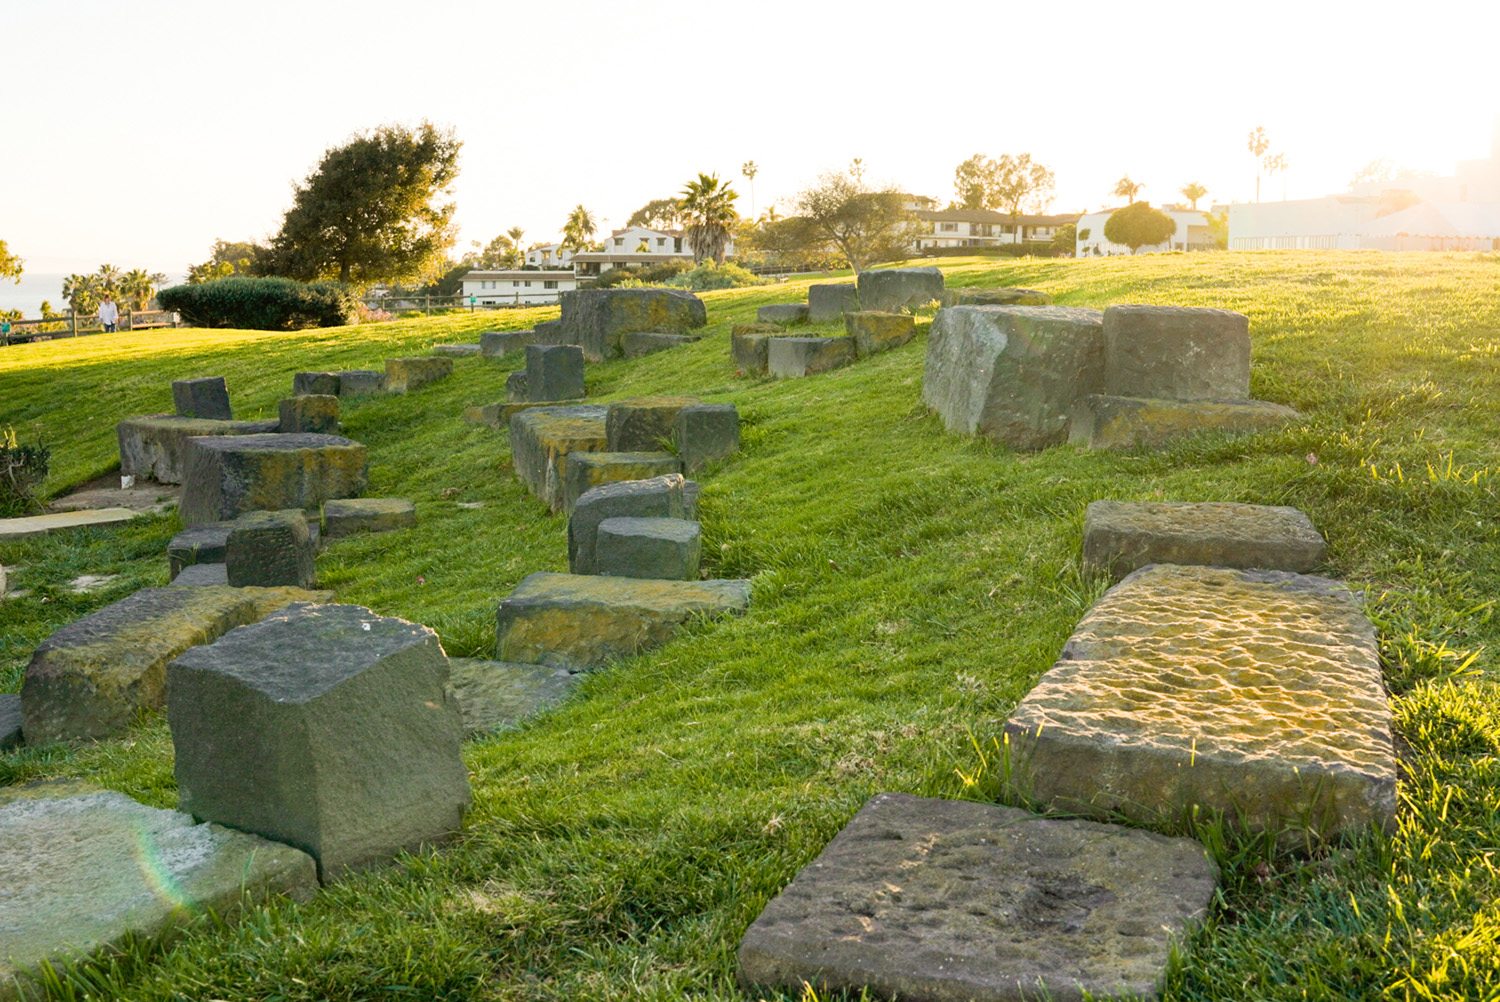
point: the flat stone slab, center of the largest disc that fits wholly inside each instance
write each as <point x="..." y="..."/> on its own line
<point x="198" y="544"/>
<point x="10" y="720"/>
<point x="587" y="470"/>
<point x="402" y="375"/>
<point x="498" y="695"/>
<point x="498" y="415"/>
<point x="351" y="515"/>
<point x="40" y="525"/>
<point x="954" y="901"/>
<point x="202" y="576"/>
<point x="156" y="446"/>
<point x="1104" y="422"/>
<point x="997" y="296"/>
<point x="229" y="476"/>
<point x="495" y="344"/>
<point x="794" y="357"/>
<point x="1255" y="693"/>
<point x="583" y="621"/>
<point x="82" y="868"/>
<point x="782" y="313"/>
<point x="1120" y="536"/>
<point x="542" y="438"/>
<point x="639" y="343"/>
<point x="456" y="350"/>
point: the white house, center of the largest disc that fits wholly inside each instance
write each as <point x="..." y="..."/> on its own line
<point x="981" y="227"/>
<point x="517" y="288"/>
<point x="1329" y="223"/>
<point x="549" y="256"/>
<point x="1192" y="234"/>
<point x="636" y="246"/>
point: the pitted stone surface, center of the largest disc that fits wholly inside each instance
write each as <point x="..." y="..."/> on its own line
<point x="750" y="350"/>
<point x="1256" y="693"/>
<point x="10" y="720"/>
<point x="269" y="549"/>
<point x="317" y="383"/>
<point x="498" y="415"/>
<point x="360" y="382"/>
<point x="553" y="372"/>
<point x="898" y="288"/>
<point x="498" y="695"/>
<point x="667" y="548"/>
<point x="1003" y="296"/>
<point x="156" y="446"/>
<point x="1105" y="422"/>
<point x="1176" y="353"/>
<point x="202" y="575"/>
<point x="1119" y="537"/>
<point x="705" y="433"/>
<point x="227" y="477"/>
<point x="542" y="438"/>
<point x="954" y="901"/>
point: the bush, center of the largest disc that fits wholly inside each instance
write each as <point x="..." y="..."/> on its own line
<point x="22" y="467"/>
<point x="656" y="274"/>
<point x="262" y="304"/>
<point x="715" y="276"/>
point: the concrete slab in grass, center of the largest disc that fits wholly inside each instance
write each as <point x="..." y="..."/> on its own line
<point x="41" y="525"/>
<point x="1122" y="536"/>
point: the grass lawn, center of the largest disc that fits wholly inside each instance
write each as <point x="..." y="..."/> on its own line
<point x="909" y="587"/>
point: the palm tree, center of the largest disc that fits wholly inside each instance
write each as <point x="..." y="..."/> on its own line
<point x="517" y="256"/>
<point x="1275" y="165"/>
<point x="1192" y="192"/>
<point x="750" y="170"/>
<point x="138" y="288"/>
<point x="81" y="292"/>
<point x="708" y="209"/>
<point x="1126" y="188"/>
<point x="579" y="230"/>
<point x="1258" y="144"/>
<point x="109" y="278"/>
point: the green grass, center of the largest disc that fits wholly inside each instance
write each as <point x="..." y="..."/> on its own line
<point x="910" y="586"/>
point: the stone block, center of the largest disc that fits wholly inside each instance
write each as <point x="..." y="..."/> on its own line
<point x="1001" y="296"/>
<point x="10" y="720"/>
<point x="322" y="384"/>
<point x="659" y="497"/>
<point x="202" y="576"/>
<point x="876" y="332"/>
<point x="661" y="548"/>
<point x="95" y="676"/>
<point x="498" y="415"/>
<point x="782" y="313"/>
<point x="352" y="515"/>
<point x="827" y="303"/>
<point x="200" y="544"/>
<point x="498" y="695"/>
<point x="756" y="328"/>
<point x="887" y="289"/>
<point x="643" y="424"/>
<point x="156" y="446"/>
<point x="955" y="901"/>
<point x="598" y="319"/>
<point x="554" y="372"/>
<point x="360" y="382"/>
<point x="314" y="413"/>
<point x="206" y="398"/>
<point x="496" y="344"/>
<point x="1119" y="536"/>
<point x="1176" y="353"/>
<point x="1254" y="693"/>
<point x="551" y="332"/>
<point x="705" y="433"/>
<point x="578" y="621"/>
<point x="41" y="525"/>
<point x="86" y="869"/>
<point x="542" y="439"/>
<point x="517" y="387"/>
<point x="749" y="352"/>
<point x="268" y="549"/>
<point x="402" y="375"/>
<point x="642" y="343"/>
<point x="1103" y="422"/>
<point x="792" y="357"/>
<point x="229" y="476"/>
<point x="326" y="727"/>
<point x="1012" y="373"/>
<point x="587" y="470"/>
<point x="456" y="350"/>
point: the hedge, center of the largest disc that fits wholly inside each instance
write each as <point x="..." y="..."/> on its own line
<point x="263" y="304"/>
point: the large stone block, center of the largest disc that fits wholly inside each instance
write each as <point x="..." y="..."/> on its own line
<point x="402" y="375"/>
<point x="156" y="446"/>
<point x="268" y="549"/>
<point x="1119" y="536"/>
<point x="1103" y="422"/>
<point x="10" y="720"/>
<point x="313" y="413"/>
<point x="226" y="477"/>
<point x="1012" y="373"/>
<point x="517" y="387"/>
<point x="663" y="548"/>
<point x="96" y="675"/>
<point x="750" y="351"/>
<point x="542" y="439"/>
<point x="793" y="357"/>
<point x="705" y="433"/>
<point x="1000" y="296"/>
<point x="876" y="332"/>
<point x="551" y="332"/>
<point x="498" y="415"/>
<point x="323" y="384"/>
<point x="888" y="289"/>
<point x="643" y="424"/>
<point x="206" y="398"/>
<point x="586" y="621"/>
<point x="1254" y="693"/>
<point x="640" y="343"/>
<point x="1176" y="353"/>
<point x="597" y="319"/>
<point x="554" y="372"/>
<point x="659" y="497"/>
<point x="827" y="303"/>
<point x="360" y="382"/>
<point x="326" y="727"/>
<point x="354" y="515"/>
<point x="498" y="695"/>
<point x="587" y="470"/>
<point x="456" y="350"/>
<point x="496" y="344"/>
<point x="86" y="869"/>
<point x="782" y="313"/>
<point x="955" y="901"/>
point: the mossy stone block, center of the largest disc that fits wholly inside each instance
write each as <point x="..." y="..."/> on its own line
<point x="542" y="439"/>
<point x="587" y="470"/>
<point x="360" y="382"/>
<point x="554" y="372"/>
<point x="269" y="549"/>
<point x="227" y="477"/>
<point x="198" y="544"/>
<point x="354" y="515"/>
<point x="156" y="446"/>
<point x="641" y="343"/>
<point x="497" y="344"/>
<point x="706" y="433"/>
<point x="782" y="313"/>
<point x="1105" y="422"/>
<point x="643" y="424"/>
<point x="750" y="351"/>
<point x="829" y="301"/>
<point x="402" y="375"/>
<point x="887" y="289"/>
<point x="662" y="548"/>
<point x="317" y="384"/>
<point x="1176" y="353"/>
<point x="997" y="296"/>
<point x="793" y="357"/>
<point x="315" y="413"/>
<point x="202" y="398"/>
<point x="598" y="319"/>
<point x="876" y="332"/>
<point x="499" y="695"/>
<point x="659" y="497"/>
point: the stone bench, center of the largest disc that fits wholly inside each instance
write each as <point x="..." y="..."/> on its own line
<point x="1176" y="353"/>
<point x="887" y="289"/>
<point x="1120" y="537"/>
<point x="542" y="438"/>
<point x="226" y="477"/>
<point x="156" y="446"/>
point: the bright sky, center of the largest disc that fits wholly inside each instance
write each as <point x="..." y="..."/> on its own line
<point x="136" y="133"/>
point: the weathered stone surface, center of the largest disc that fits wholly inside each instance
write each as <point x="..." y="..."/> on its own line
<point x="353" y="515"/>
<point x="1255" y="693"/>
<point x="954" y="901"/>
<point x="876" y="332"/>
<point x="554" y="372"/>
<point x="268" y="549"/>
<point x="94" y="676"/>
<point x="792" y="357"/>
<point x="1001" y="296"/>
<point x="200" y="544"/>
<point x="750" y="352"/>
<point x="156" y="446"/>
<point x="542" y="439"/>
<point x="705" y="433"/>
<point x="662" y="548"/>
<point x="1176" y="353"/>
<point x="402" y="375"/>
<point x="83" y="868"/>
<point x="498" y="695"/>
<point x="206" y="398"/>
<point x="202" y="576"/>
<point x="659" y="497"/>
<point x="329" y="384"/>
<point x="456" y="350"/>
<point x="313" y="413"/>
<point x="1119" y="537"/>
<point x="326" y="727"/>
<point x="495" y="344"/>
<point x="756" y="328"/>
<point x="498" y="415"/>
<point x="10" y="720"/>
<point x="641" y="343"/>
<point x="1103" y="422"/>
<point x="571" y="620"/>
<point x="643" y="424"/>
<point x="551" y="332"/>
<point x="517" y="387"/>
<point x="587" y="470"/>
<point x="226" y="477"/>
<point x="360" y="382"/>
<point x="597" y="319"/>
<point x="827" y="303"/>
<point x="40" y="525"/>
<point x="887" y="289"/>
<point x="1012" y="373"/>
<point x="782" y="313"/>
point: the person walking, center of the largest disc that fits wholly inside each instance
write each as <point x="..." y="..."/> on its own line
<point x="109" y="314"/>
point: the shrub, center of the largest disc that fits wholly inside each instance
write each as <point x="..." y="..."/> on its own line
<point x="715" y="276"/>
<point x="656" y="274"/>
<point x="263" y="304"/>
<point x="22" y="467"/>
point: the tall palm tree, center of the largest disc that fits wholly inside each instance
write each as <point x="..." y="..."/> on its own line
<point x="138" y="288"/>
<point x="109" y="278"/>
<point x="82" y="292"/>
<point x="750" y="170"/>
<point x="1192" y="192"/>
<point x="708" y="209"/>
<point x="517" y="255"/>
<point x="1126" y="188"/>
<point x="578" y="231"/>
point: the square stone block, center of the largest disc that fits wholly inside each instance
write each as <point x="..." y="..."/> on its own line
<point x="643" y="424"/>
<point x="202" y="576"/>
<point x="202" y="398"/>
<point x="887" y="289"/>
<point x="1001" y="296"/>
<point x="316" y="413"/>
<point x="1176" y="353"/>
<point x="793" y="357"/>
<point x="876" y="332"/>
<point x="664" y="548"/>
<point x="351" y="515"/>
<point x="156" y="446"/>
<point x="496" y="344"/>
<point x="543" y="438"/>
<point x="326" y="727"/>
<point x="554" y="372"/>
<point x="551" y="332"/>
<point x="360" y="382"/>
<point x="1122" y="536"/>
<point x="659" y="497"/>
<point x="498" y="415"/>
<point x="1104" y="422"/>
<point x="642" y="343"/>
<point x="827" y="303"/>
<point x="323" y="384"/>
<point x="402" y="375"/>
<point x="267" y="549"/>
<point x="227" y="477"/>
<point x="199" y="544"/>
<point x="749" y="350"/>
<point x="706" y="433"/>
<point x="587" y="470"/>
<point x="598" y="319"/>
<point x="782" y="313"/>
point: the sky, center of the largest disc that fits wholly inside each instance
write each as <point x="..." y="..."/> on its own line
<point x="136" y="132"/>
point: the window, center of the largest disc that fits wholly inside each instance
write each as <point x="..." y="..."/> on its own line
<point x="528" y="285"/>
<point x="619" y="241"/>
<point x="515" y="285"/>
<point x="677" y="245"/>
<point x="661" y="241"/>
<point x="549" y="284"/>
<point x="948" y="227"/>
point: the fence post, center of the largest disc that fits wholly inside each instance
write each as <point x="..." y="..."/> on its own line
<point x="128" y="325"/>
<point x="73" y="323"/>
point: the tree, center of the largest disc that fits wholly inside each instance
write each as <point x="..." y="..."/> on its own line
<point x="708" y="211"/>
<point x="10" y="265"/>
<point x="865" y="225"/>
<point x="82" y="292"/>
<point x="1126" y="188"/>
<point x="1275" y="165"/>
<point x="227" y="258"/>
<point x="138" y="288"/>
<point x="1218" y="228"/>
<point x="578" y="231"/>
<point x="517" y="255"/>
<point x="749" y="169"/>
<point x="498" y="253"/>
<point x="369" y="212"/>
<point x="1010" y="183"/>
<point x="1192" y="191"/>
<point x="109" y="278"/>
<point x="1065" y="239"/>
<point x="1258" y="144"/>
<point x="1138" y="225"/>
<point x="658" y="214"/>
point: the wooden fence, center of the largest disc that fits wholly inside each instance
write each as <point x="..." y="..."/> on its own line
<point x="74" y="325"/>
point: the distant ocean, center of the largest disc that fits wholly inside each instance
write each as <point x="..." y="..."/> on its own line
<point x="35" y="286"/>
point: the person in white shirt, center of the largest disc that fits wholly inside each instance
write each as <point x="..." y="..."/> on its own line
<point x="109" y="314"/>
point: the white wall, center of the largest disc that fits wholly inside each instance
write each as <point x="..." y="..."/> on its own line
<point x="1332" y="222"/>
<point x="524" y="287"/>
<point x="1192" y="234"/>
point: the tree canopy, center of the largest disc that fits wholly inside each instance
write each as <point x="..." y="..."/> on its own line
<point x="708" y="210"/>
<point x="369" y="212"/>
<point x="227" y="258"/>
<point x="1011" y="183"/>
<point x="1126" y="188"/>
<point x="1139" y="225"/>
<point x="10" y="265"/>
<point x="578" y="231"/>
<point x="865" y="225"/>
<point x="657" y="214"/>
<point x="1192" y="191"/>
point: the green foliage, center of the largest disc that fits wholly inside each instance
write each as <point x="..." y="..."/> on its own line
<point x="1010" y="183"/>
<point x="707" y="208"/>
<point x="866" y="226"/>
<point x="264" y="304"/>
<point x="1218" y="228"/>
<point x="1065" y="239"/>
<point x="22" y="470"/>
<point x="714" y="276"/>
<point x="646" y="274"/>
<point x="1126" y="188"/>
<point x="579" y="230"/>
<point x="10" y="265"/>
<point x="658" y="214"/>
<point x="1192" y="191"/>
<point x="1139" y="225"/>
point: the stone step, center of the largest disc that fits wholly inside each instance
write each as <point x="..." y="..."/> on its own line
<point x="995" y="296"/>
<point x="40" y="525"/>
<point x="498" y="695"/>
<point x="202" y="576"/>
<point x="456" y="350"/>
<point x="498" y="415"/>
<point x="953" y="900"/>
<point x="402" y="375"/>
<point x="794" y="357"/>
<point x="875" y="332"/>
<point x="1104" y="422"/>
<point x="156" y="446"/>
<point x="587" y="470"/>
<point x="583" y="621"/>
<point x="782" y="313"/>
<point x="827" y="303"/>
<point x="348" y="516"/>
<point x="1122" y="536"/>
<point x="598" y="319"/>
<point x="200" y="544"/>
<point x="899" y="288"/>
<point x="495" y="344"/>
<point x="665" y="548"/>
<point x="1254" y="693"/>
<point x="644" y="424"/>
<point x="542" y="438"/>
<point x="659" y="497"/>
<point x="640" y="343"/>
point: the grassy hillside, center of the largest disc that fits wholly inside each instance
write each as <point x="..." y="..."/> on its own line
<point x="910" y="586"/>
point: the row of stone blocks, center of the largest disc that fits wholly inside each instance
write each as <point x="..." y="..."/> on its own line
<point x="633" y="344"/>
<point x="759" y="349"/>
<point x="602" y="321"/>
<point x="880" y="291"/>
